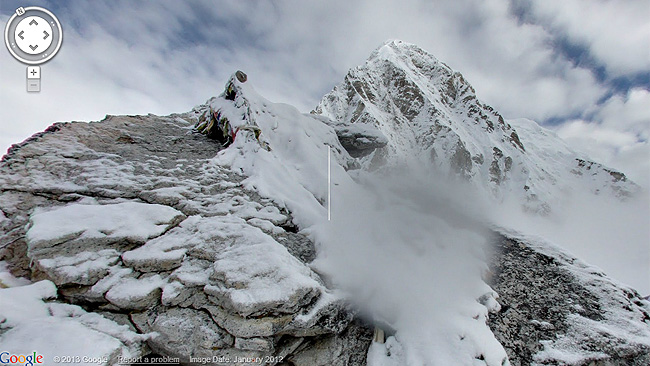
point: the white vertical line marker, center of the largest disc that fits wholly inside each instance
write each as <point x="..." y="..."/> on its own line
<point x="329" y="184"/>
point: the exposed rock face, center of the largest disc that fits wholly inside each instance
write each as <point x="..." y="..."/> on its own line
<point x="349" y="348"/>
<point x="358" y="139"/>
<point x="130" y="217"/>
<point x="557" y="310"/>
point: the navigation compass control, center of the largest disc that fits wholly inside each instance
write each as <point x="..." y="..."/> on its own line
<point x="33" y="35"/>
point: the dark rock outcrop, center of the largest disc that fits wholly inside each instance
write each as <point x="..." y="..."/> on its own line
<point x="555" y="310"/>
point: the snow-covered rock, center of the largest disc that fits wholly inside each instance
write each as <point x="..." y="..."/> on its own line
<point x="358" y="139"/>
<point x="121" y="221"/>
<point x="555" y="309"/>
<point x="28" y="324"/>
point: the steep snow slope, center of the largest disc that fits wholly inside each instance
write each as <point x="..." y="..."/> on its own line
<point x="428" y="111"/>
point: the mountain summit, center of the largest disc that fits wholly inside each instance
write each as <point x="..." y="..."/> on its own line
<point x="431" y="115"/>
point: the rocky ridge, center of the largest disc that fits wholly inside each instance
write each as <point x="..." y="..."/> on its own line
<point x="558" y="310"/>
<point x="130" y="220"/>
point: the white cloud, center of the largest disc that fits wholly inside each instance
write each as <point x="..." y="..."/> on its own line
<point x="618" y="135"/>
<point x="601" y="231"/>
<point x="616" y="31"/>
<point x="630" y="112"/>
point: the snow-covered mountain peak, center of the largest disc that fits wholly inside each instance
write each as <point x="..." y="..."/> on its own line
<point x="431" y="117"/>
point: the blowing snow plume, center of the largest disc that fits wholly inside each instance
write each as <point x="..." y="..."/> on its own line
<point x="406" y="246"/>
<point x="409" y="249"/>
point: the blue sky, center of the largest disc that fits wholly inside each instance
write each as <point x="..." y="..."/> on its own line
<point x="580" y="67"/>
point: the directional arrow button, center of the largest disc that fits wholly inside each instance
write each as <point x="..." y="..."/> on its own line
<point x="34" y="36"/>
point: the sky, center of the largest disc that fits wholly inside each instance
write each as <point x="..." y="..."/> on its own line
<point x="580" y="67"/>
